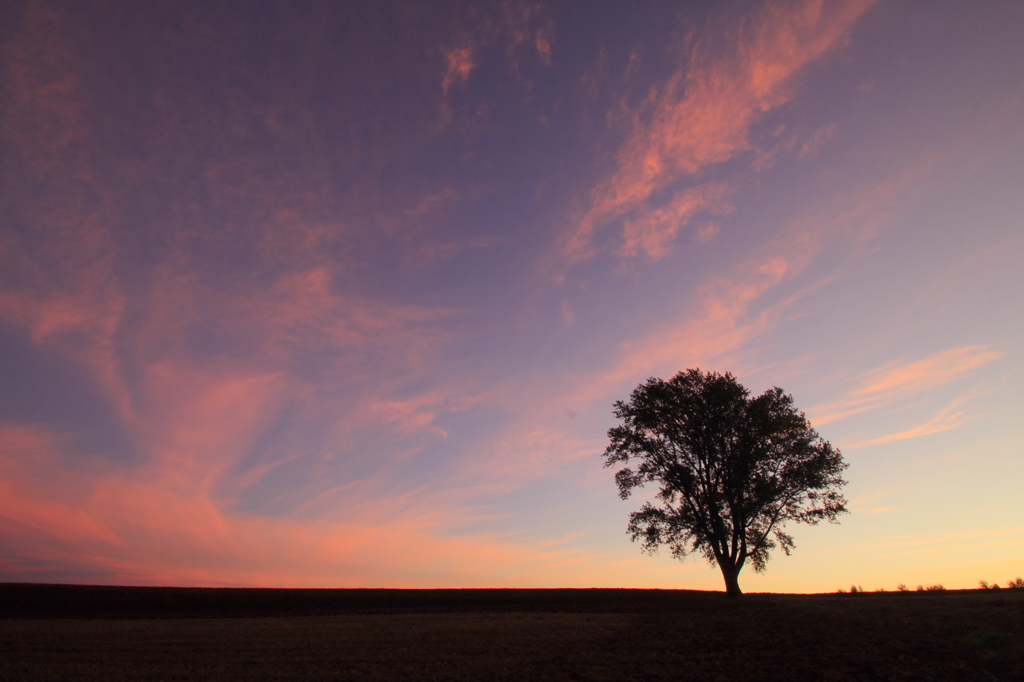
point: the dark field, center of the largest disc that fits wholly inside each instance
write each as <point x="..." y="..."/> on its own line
<point x="54" y="632"/>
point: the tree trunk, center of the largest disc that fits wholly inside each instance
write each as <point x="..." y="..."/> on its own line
<point x="732" y="577"/>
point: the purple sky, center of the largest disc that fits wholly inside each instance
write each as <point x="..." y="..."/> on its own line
<point x="341" y="294"/>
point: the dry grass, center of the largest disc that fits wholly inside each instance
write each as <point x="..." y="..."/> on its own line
<point x="64" y="633"/>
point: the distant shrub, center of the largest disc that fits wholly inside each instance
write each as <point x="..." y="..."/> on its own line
<point x="854" y="589"/>
<point x="934" y="588"/>
<point x="983" y="585"/>
<point x="1017" y="584"/>
<point x="902" y="588"/>
<point x="920" y="588"/>
<point x="880" y="589"/>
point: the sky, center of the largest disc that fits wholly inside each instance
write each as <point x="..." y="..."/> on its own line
<point x="341" y="294"/>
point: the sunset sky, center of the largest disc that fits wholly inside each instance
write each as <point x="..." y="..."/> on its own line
<point x="341" y="294"/>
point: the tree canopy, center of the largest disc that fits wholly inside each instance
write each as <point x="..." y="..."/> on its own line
<point x="733" y="470"/>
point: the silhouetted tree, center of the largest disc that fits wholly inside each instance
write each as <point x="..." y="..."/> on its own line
<point x="732" y="469"/>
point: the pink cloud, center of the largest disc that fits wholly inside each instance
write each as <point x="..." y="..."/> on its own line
<point x="812" y="146"/>
<point x="458" y="64"/>
<point x="65" y="296"/>
<point x="944" y="421"/>
<point x="729" y="312"/>
<point x="197" y="414"/>
<point x="148" y="527"/>
<point x="921" y="375"/>
<point x="46" y="117"/>
<point x="281" y="323"/>
<point x="703" y="114"/>
<point x="60" y="288"/>
<point x="514" y="24"/>
<point x="536" y="446"/>
<point x="526" y="25"/>
<point x="900" y="380"/>
<point x="952" y="416"/>
<point x="707" y="233"/>
<point x="419" y="413"/>
<point x="654" y="231"/>
<point x="543" y="42"/>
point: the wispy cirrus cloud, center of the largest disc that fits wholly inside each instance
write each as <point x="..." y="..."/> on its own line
<point x="242" y="352"/>
<point x="459" y="63"/>
<point x="58" y="253"/>
<point x="515" y="25"/>
<point x="921" y="375"/>
<point x="46" y="119"/>
<point x="810" y="148"/>
<point x="952" y="416"/>
<point x="163" y="526"/>
<point x="704" y="112"/>
<point x="900" y="380"/>
<point x="654" y="231"/>
<point x="728" y="312"/>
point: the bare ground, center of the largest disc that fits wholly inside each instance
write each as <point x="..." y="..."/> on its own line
<point x="53" y="632"/>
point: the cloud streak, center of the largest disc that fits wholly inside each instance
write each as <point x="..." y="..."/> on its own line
<point x="900" y="380"/>
<point x="654" y="231"/>
<point x="704" y="112"/>
<point x="145" y="530"/>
